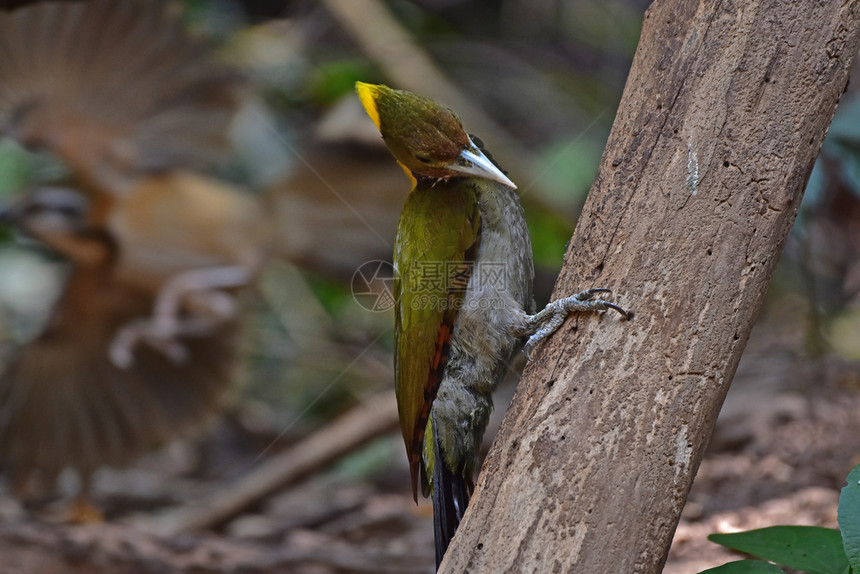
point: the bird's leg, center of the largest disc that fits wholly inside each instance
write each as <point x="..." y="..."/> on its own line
<point x="196" y="291"/>
<point x="545" y="322"/>
<point x="199" y="290"/>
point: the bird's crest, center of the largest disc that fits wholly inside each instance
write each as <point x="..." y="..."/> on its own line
<point x="368" y="94"/>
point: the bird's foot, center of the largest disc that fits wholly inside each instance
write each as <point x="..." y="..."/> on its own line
<point x="163" y="333"/>
<point x="544" y="323"/>
<point x="190" y="304"/>
<point x="157" y="332"/>
<point x="200" y="288"/>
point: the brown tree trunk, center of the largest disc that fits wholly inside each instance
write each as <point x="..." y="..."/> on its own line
<point x="720" y="123"/>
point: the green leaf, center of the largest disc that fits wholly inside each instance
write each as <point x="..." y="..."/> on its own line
<point x="567" y="169"/>
<point x="744" y="567"/>
<point x="849" y="518"/>
<point x="549" y="233"/>
<point x="15" y="170"/>
<point x="810" y="548"/>
<point x="333" y="80"/>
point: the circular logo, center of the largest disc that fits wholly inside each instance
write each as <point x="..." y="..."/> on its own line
<point x="373" y="286"/>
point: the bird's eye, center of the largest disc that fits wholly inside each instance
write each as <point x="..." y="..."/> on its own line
<point x="423" y="158"/>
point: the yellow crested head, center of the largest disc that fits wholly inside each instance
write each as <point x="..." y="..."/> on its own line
<point x="426" y="138"/>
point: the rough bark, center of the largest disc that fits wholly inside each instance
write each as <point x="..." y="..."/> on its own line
<point x="720" y="123"/>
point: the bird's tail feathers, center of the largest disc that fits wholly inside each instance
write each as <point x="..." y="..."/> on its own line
<point x="451" y="493"/>
<point x="65" y="404"/>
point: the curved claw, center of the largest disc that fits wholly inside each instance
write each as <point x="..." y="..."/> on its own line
<point x="589" y="293"/>
<point x="527" y="350"/>
<point x="624" y="313"/>
<point x="547" y="321"/>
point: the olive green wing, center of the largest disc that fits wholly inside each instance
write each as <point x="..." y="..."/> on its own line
<point x="437" y="239"/>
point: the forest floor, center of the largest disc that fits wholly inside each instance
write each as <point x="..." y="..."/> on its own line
<point x="785" y="440"/>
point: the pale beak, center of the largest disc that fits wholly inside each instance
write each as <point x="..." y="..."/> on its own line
<point x="475" y="163"/>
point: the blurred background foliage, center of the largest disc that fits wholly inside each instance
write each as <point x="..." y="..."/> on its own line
<point x="549" y="74"/>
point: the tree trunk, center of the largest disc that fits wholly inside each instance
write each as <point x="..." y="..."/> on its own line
<point x="718" y="129"/>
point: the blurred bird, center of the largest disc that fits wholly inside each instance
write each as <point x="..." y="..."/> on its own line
<point x="463" y="282"/>
<point x="141" y="345"/>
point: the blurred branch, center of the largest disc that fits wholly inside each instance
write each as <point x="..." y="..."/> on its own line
<point x="376" y="417"/>
<point x="385" y="41"/>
